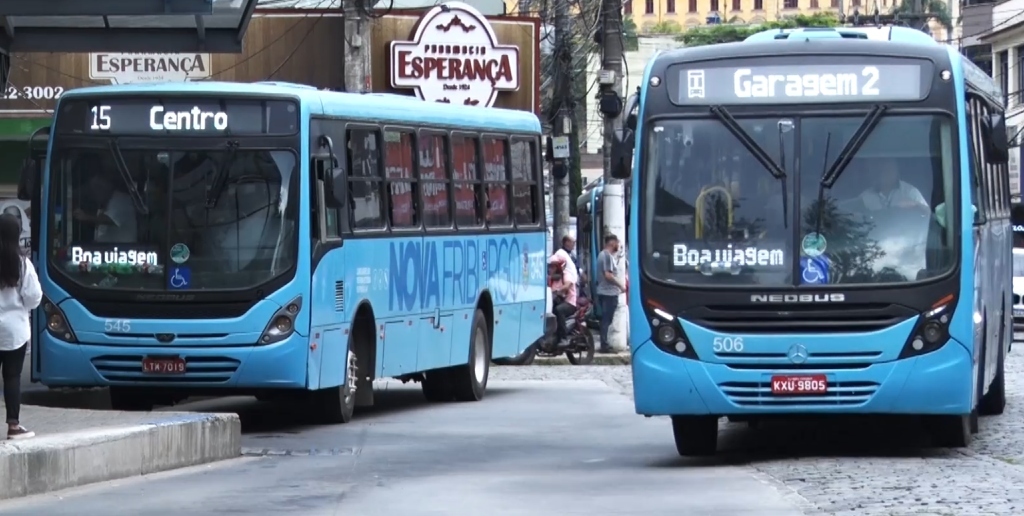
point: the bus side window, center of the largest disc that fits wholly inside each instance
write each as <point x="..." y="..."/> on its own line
<point x="977" y="195"/>
<point x="466" y="181"/>
<point x="365" y="180"/>
<point x="525" y="185"/>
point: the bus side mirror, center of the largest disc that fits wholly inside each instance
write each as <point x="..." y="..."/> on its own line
<point x="997" y="142"/>
<point x="28" y="182"/>
<point x="330" y="172"/>
<point x="631" y="122"/>
<point x="622" y="154"/>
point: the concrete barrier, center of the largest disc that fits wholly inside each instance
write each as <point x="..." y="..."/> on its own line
<point x="70" y="459"/>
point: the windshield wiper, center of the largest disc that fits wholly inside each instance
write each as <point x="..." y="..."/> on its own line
<point x="126" y="176"/>
<point x="762" y="157"/>
<point x="831" y="175"/>
<point x="220" y="177"/>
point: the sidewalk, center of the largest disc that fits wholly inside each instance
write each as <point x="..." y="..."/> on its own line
<point x="601" y="359"/>
<point x="75" y="447"/>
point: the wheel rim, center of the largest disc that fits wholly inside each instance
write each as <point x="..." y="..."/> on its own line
<point x="479" y="355"/>
<point x="350" y="378"/>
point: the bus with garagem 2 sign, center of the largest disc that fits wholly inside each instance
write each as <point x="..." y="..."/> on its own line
<point x="285" y="242"/>
<point x="822" y="228"/>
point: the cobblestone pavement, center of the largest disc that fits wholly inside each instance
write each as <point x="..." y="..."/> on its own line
<point x="863" y="468"/>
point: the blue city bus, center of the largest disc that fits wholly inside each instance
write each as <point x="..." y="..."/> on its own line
<point x="277" y="240"/>
<point x="823" y="228"/>
<point x="589" y="222"/>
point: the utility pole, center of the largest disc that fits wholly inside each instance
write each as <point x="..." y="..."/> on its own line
<point x="614" y="201"/>
<point x="562" y="121"/>
<point x="355" y="46"/>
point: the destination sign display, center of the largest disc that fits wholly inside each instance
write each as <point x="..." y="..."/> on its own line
<point x="178" y="117"/>
<point x="752" y="83"/>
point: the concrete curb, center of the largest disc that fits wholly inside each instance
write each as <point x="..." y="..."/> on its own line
<point x="599" y="359"/>
<point x="55" y="462"/>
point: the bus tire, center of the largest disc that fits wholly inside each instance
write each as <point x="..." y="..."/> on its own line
<point x="951" y="431"/>
<point x="130" y="400"/>
<point x="469" y="382"/>
<point x="437" y="385"/>
<point x="336" y="405"/>
<point x="695" y="436"/>
<point x="994" y="402"/>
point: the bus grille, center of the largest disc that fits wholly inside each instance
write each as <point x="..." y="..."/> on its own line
<point x="759" y="394"/>
<point x="815" y="318"/>
<point x="203" y="369"/>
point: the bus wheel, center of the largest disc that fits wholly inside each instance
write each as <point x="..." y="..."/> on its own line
<point x="695" y="435"/>
<point x="437" y="385"/>
<point x="128" y="399"/>
<point x="994" y="403"/>
<point x="951" y="431"/>
<point x="469" y="382"/>
<point x="337" y="404"/>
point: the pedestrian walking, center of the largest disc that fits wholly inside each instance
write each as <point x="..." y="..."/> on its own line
<point x="20" y="293"/>
<point x="611" y="284"/>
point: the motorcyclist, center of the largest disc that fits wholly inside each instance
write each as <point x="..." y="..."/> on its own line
<point x="562" y="279"/>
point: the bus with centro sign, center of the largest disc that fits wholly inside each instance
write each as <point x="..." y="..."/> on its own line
<point x="280" y="241"/>
<point x="823" y="228"/>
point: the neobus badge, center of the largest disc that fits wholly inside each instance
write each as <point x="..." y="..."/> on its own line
<point x="454" y="57"/>
<point x="194" y="119"/>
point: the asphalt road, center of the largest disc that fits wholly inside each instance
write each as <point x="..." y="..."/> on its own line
<point x="557" y="448"/>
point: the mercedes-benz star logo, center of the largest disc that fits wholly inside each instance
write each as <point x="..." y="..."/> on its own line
<point x="797" y="354"/>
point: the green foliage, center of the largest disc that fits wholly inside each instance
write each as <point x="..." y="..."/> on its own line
<point x="665" y="27"/>
<point x="629" y="34"/>
<point x="728" y="33"/>
<point x="935" y="8"/>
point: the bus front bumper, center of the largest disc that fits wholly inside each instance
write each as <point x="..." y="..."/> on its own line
<point x="936" y="383"/>
<point x="275" y="366"/>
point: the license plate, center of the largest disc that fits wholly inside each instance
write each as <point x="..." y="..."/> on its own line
<point x="806" y="384"/>
<point x="153" y="365"/>
<point x="1018" y="312"/>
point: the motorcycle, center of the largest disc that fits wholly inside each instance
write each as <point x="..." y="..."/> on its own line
<point x="580" y="348"/>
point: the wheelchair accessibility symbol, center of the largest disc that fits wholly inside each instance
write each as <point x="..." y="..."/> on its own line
<point x="181" y="277"/>
<point x="814" y="271"/>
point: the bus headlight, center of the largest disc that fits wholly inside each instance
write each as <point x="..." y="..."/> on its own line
<point x="667" y="334"/>
<point x="932" y="329"/>
<point x="282" y="324"/>
<point x="56" y="322"/>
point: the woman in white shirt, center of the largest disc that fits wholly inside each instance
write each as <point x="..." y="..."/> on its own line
<point x="20" y="293"/>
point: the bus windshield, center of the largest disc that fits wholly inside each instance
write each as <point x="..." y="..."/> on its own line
<point x="225" y="219"/>
<point x="716" y="216"/>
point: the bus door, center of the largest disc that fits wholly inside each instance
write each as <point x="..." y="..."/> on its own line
<point x="29" y="189"/>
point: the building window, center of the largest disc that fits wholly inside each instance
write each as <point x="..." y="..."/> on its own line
<point x="670" y="6"/>
<point x="1019" y="94"/>
<point x="758" y="5"/>
<point x="649" y="7"/>
<point x="790" y="4"/>
<point x="814" y="4"/>
<point x="693" y="6"/>
<point x="835" y="4"/>
<point x="854" y="3"/>
<point x="627" y="8"/>
<point x="736" y="5"/>
<point x="1004" y="72"/>
<point x="714" y="5"/>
